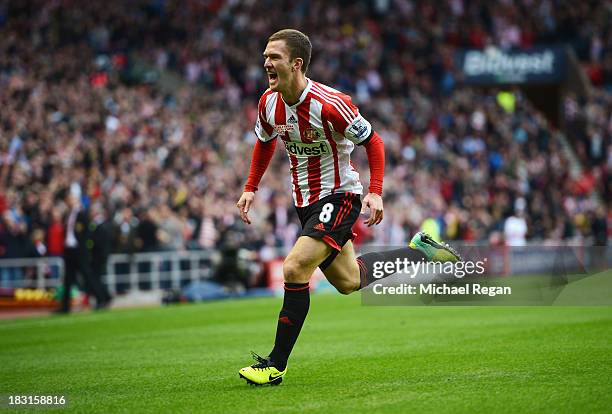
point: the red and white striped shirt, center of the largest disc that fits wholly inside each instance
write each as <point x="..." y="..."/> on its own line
<point x="319" y="133"/>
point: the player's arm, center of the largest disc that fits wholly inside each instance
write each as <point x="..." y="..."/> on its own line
<point x="375" y="149"/>
<point x="262" y="154"/>
<point x="347" y="120"/>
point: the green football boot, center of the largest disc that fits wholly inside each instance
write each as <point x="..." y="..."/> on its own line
<point x="434" y="251"/>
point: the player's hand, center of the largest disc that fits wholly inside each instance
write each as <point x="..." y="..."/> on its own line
<point x="244" y="204"/>
<point x="375" y="204"/>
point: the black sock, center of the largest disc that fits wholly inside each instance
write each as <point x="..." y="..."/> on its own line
<point x="369" y="272"/>
<point x="290" y="321"/>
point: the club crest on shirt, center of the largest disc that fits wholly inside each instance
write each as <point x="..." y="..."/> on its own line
<point x="312" y="134"/>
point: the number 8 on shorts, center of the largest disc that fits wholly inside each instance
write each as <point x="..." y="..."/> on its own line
<point x="326" y="213"/>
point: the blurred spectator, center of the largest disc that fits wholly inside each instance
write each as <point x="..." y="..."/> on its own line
<point x="126" y="224"/>
<point x="14" y="244"/>
<point x="515" y="226"/>
<point x="170" y="231"/>
<point x="101" y="233"/>
<point x="77" y="256"/>
<point x="146" y="231"/>
<point x="37" y="247"/>
<point x="55" y="233"/>
<point x="600" y="227"/>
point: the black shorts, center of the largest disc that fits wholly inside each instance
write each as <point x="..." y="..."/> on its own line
<point x="331" y="219"/>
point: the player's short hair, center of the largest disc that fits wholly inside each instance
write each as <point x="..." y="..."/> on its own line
<point x="298" y="44"/>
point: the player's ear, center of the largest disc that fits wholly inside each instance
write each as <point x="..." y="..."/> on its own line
<point x="297" y="64"/>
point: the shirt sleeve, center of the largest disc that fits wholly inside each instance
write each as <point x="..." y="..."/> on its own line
<point x="346" y="120"/>
<point x="375" y="150"/>
<point x="359" y="130"/>
<point x="264" y="131"/>
<point x="262" y="154"/>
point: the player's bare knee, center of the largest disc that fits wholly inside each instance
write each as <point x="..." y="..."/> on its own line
<point x="293" y="270"/>
<point x="347" y="286"/>
<point x="343" y="290"/>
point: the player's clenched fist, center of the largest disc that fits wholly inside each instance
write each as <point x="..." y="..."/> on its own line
<point x="244" y="204"/>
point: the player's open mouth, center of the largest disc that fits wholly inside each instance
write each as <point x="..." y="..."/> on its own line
<point x="272" y="76"/>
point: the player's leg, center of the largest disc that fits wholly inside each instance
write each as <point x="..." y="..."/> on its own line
<point x="305" y="256"/>
<point x="348" y="273"/>
<point x="298" y="267"/>
<point x="300" y="264"/>
<point x="343" y="271"/>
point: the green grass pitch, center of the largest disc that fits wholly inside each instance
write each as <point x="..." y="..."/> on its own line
<point x="350" y="358"/>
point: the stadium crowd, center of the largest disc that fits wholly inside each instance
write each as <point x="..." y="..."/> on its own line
<point x="166" y="168"/>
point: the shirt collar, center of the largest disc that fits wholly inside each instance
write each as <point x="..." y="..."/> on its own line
<point x="302" y="96"/>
